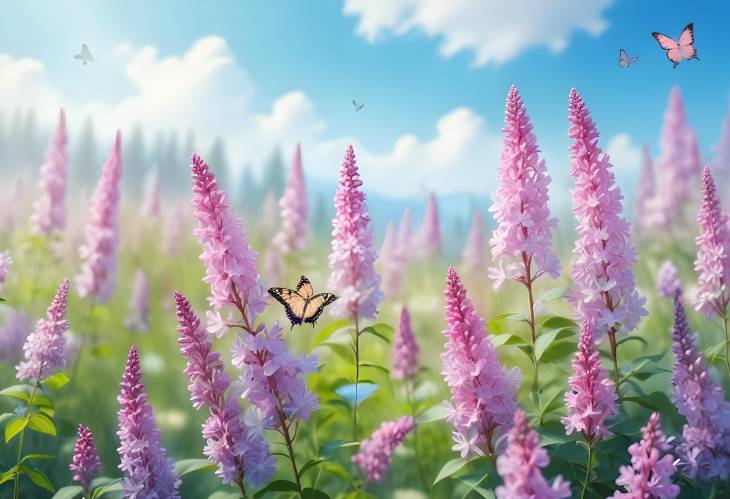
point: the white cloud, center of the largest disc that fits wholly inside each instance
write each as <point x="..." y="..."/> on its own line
<point x="494" y="30"/>
<point x="24" y="84"/>
<point x="624" y="154"/>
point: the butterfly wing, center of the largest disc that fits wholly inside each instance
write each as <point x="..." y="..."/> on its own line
<point x="357" y="393"/>
<point x="304" y="288"/>
<point x="687" y="41"/>
<point x="623" y="58"/>
<point x="671" y="46"/>
<point x="293" y="303"/>
<point x="315" y="306"/>
<point x="633" y="59"/>
<point x="360" y="106"/>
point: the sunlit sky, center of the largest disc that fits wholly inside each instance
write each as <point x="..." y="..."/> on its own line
<point x="433" y="77"/>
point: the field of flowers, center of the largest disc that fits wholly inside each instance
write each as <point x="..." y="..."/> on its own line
<point x="142" y="356"/>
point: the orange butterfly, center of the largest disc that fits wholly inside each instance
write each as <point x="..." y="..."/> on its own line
<point x="302" y="305"/>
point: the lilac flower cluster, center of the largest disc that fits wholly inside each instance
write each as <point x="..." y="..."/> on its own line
<point x="405" y="349"/>
<point x="375" y="453"/>
<point x="85" y="461"/>
<point x="667" y="282"/>
<point x="139" y="304"/>
<point x="13" y="334"/>
<point x="292" y="235"/>
<point x="6" y="262"/>
<point x="49" y="215"/>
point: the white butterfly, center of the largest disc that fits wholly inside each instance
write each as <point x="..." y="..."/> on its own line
<point x="85" y="55"/>
<point x="357" y="106"/>
<point x="624" y="60"/>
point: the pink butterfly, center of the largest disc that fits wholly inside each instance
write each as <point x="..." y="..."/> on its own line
<point x="683" y="49"/>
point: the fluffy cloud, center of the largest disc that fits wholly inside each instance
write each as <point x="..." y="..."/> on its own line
<point x="24" y="83"/>
<point x="494" y="30"/>
<point x="624" y="154"/>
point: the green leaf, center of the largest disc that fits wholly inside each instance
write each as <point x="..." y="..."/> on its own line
<point x="20" y="392"/>
<point x="546" y="339"/>
<point x="185" y="466"/>
<point x="365" y="363"/>
<point x="549" y="438"/>
<point x="556" y="322"/>
<point x="14" y="427"/>
<point x="110" y="485"/>
<point x="715" y="352"/>
<point x="277" y="486"/>
<point x="42" y="423"/>
<point x="474" y="480"/>
<point x="657" y="401"/>
<point x="341" y="350"/>
<point x="375" y="332"/>
<point x="38" y="477"/>
<point x="312" y="463"/>
<point x="558" y="351"/>
<point x="555" y="402"/>
<point x="450" y="468"/>
<point x="56" y="381"/>
<point x="632" y="337"/>
<point x="553" y="294"/>
<point x="495" y="324"/>
<point x="506" y="339"/>
<point x="436" y="412"/>
<point x="69" y="492"/>
<point x="8" y="475"/>
<point x="329" y="329"/>
<point x="330" y="447"/>
<point x="36" y="457"/>
<point x="310" y="493"/>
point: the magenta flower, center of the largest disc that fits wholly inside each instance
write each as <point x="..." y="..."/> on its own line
<point x="292" y="235"/>
<point x="353" y="277"/>
<point x="139" y="304"/>
<point x="521" y="463"/>
<point x="272" y="379"/>
<point x="713" y="252"/>
<point x="97" y="278"/>
<point x="645" y="191"/>
<point x="475" y="247"/>
<point x="605" y="290"/>
<point x="482" y="390"/>
<point x="652" y="466"/>
<point x="6" y="263"/>
<point x="668" y="283"/>
<point x="704" y="448"/>
<point x="240" y="452"/>
<point x="375" y="453"/>
<point x="49" y="215"/>
<point x="523" y="236"/>
<point x="13" y="334"/>
<point x="229" y="260"/>
<point x="85" y="461"/>
<point x="148" y="473"/>
<point x="591" y="398"/>
<point x="44" y="347"/>
<point x="151" y="205"/>
<point x="430" y="235"/>
<point x="405" y="349"/>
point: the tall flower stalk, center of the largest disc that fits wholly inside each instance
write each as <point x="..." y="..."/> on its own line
<point x="430" y="235"/>
<point x="353" y="277"/>
<point x="713" y="259"/>
<point x="375" y="453"/>
<point x="604" y="290"/>
<point x="521" y="242"/>
<point x="482" y="390"/>
<point x="85" y="461"/>
<point x="474" y="249"/>
<point x="293" y="230"/>
<point x="49" y="216"/>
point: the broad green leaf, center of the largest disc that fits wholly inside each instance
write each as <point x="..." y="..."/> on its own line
<point x="495" y="324"/>
<point x="450" y="468"/>
<point x="657" y="401"/>
<point x="506" y="339"/>
<point x="365" y="363"/>
<point x="715" y="352"/>
<point x="185" y="466"/>
<point x="14" y="427"/>
<point x="544" y="340"/>
<point x="632" y="337"/>
<point x="41" y="423"/>
<point x="553" y="294"/>
<point x="556" y="322"/>
<point x="20" y="392"/>
<point x="345" y="352"/>
<point x="310" y="493"/>
<point x="375" y="332"/>
<point x="328" y="448"/>
<point x="475" y="482"/>
<point x="558" y="351"/>
<point x="56" y="381"/>
<point x="36" y="457"/>
<point x="549" y="438"/>
<point x="436" y="412"/>
<point x="337" y="470"/>
<point x="277" y="486"/>
<point x="329" y="329"/>
<point x="555" y="402"/>
<point x="69" y="492"/>
<point x="111" y="485"/>
<point x="312" y="463"/>
<point x="8" y="475"/>
<point x="38" y="477"/>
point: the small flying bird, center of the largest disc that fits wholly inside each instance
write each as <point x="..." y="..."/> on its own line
<point x="358" y="107"/>
<point x="624" y="60"/>
<point x="684" y="48"/>
<point x="85" y="55"/>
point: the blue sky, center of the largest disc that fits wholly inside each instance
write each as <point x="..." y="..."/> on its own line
<point x="406" y="83"/>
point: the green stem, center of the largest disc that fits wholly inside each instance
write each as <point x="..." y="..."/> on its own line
<point x="614" y="357"/>
<point x="727" y="340"/>
<point x="90" y="322"/>
<point x="588" y="471"/>
<point x="409" y="396"/>
<point x="533" y="330"/>
<point x="290" y="448"/>
<point x="357" y="377"/>
<point x="16" y="485"/>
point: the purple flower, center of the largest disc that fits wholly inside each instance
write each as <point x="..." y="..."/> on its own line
<point x="405" y="349"/>
<point x="521" y="463"/>
<point x="645" y="191"/>
<point x="482" y="390"/>
<point x="713" y="252"/>
<point x="353" y="277"/>
<point x="44" y="347"/>
<point x="652" y="467"/>
<point x="475" y="247"/>
<point x="272" y="379"/>
<point x="49" y="214"/>
<point x="13" y="334"/>
<point x="667" y="281"/>
<point x="430" y="235"/>
<point x="229" y="260"/>
<point x="591" y="398"/>
<point x="97" y="278"/>
<point x="520" y="206"/>
<point x="375" y="453"/>
<point x="240" y="452"/>
<point x="148" y="473"/>
<point x="292" y="235"/>
<point x="605" y="291"/>
<point x="139" y="304"/>
<point x="704" y="448"/>
<point x="85" y="461"/>
<point x="6" y="262"/>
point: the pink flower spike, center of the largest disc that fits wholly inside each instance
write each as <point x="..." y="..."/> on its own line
<point x="49" y="216"/>
<point x="713" y="252"/>
<point x="85" y="461"/>
<point x="482" y="390"/>
<point x="405" y="349"/>
<point x="652" y="466"/>
<point x="430" y="235"/>
<point x="521" y="463"/>
<point x="475" y="247"/>
<point x="604" y="287"/>
<point x="375" y="453"/>
<point x="393" y="261"/>
<point x="293" y="231"/>
<point x="524" y="230"/>
<point x="353" y="277"/>
<point x="591" y="398"/>
<point x="645" y="191"/>
<point x="97" y="278"/>
<point x="139" y="304"/>
<point x="667" y="281"/>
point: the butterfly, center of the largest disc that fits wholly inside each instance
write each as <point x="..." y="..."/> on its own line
<point x="364" y="391"/>
<point x="85" y="55"/>
<point x="624" y="60"/>
<point x="683" y="49"/>
<point x="302" y="305"/>
<point x="358" y="107"/>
